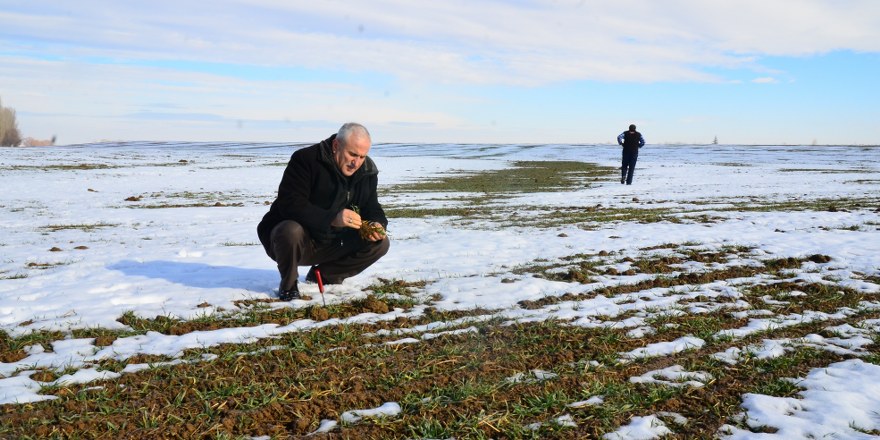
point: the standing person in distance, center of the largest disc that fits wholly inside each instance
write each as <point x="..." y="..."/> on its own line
<point x="327" y="191"/>
<point x="631" y="141"/>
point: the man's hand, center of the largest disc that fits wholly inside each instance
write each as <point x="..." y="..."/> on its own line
<point x="378" y="233"/>
<point x="347" y="219"/>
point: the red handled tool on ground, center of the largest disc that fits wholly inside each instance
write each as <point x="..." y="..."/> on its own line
<point x="320" y="285"/>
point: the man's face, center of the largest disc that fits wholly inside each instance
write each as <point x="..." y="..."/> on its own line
<point x="350" y="157"/>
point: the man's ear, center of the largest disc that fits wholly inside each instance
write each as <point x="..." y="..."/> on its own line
<point x="335" y="145"/>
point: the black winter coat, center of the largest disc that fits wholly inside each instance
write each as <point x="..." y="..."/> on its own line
<point x="313" y="191"/>
<point x="632" y="141"/>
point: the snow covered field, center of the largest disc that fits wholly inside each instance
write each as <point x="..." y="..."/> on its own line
<point x="93" y="232"/>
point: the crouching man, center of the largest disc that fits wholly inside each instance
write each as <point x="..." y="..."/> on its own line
<point x="326" y="194"/>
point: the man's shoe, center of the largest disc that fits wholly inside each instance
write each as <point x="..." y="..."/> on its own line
<point x="622" y="181"/>
<point x="289" y="294"/>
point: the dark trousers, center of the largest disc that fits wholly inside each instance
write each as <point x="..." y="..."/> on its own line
<point x="628" y="167"/>
<point x="290" y="246"/>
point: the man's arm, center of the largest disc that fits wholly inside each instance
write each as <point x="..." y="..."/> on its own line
<point x="641" y="141"/>
<point x="372" y="210"/>
<point x="293" y="197"/>
<point x="620" y="138"/>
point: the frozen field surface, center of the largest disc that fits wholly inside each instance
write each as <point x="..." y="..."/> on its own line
<point x="95" y="232"/>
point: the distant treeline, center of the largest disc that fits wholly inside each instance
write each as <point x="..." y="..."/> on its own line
<point x="9" y="135"/>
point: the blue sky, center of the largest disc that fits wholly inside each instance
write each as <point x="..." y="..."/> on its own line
<point x="547" y="71"/>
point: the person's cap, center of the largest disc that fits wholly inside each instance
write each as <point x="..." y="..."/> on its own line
<point x="632" y="127"/>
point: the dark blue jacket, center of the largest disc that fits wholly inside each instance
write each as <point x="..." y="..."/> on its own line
<point x="631" y="141"/>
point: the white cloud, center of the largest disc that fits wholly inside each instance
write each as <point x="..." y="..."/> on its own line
<point x="100" y="59"/>
<point x="765" y="80"/>
<point x="94" y="102"/>
<point x="482" y="42"/>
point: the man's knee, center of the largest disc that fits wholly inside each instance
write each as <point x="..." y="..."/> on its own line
<point x="377" y="249"/>
<point x="384" y="245"/>
<point x="287" y="231"/>
<point x="284" y="236"/>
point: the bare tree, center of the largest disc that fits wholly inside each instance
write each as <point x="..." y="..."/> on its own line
<point x="9" y="135"/>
